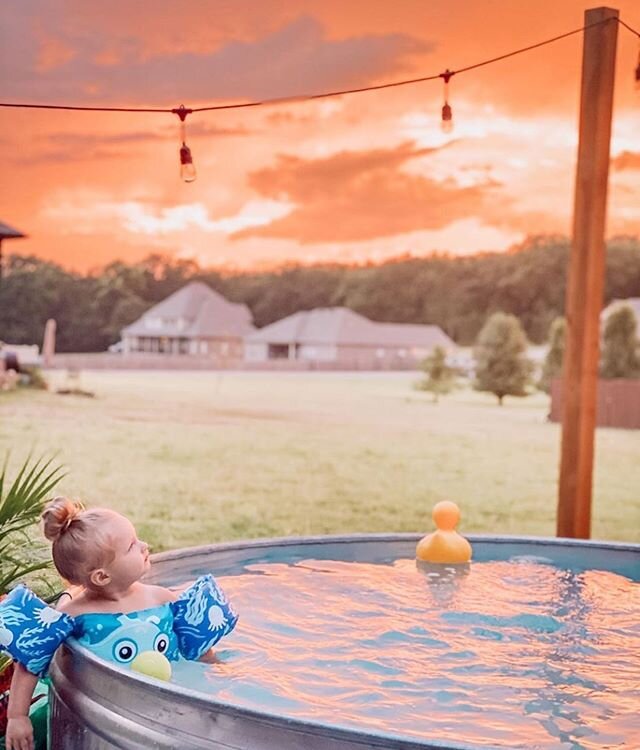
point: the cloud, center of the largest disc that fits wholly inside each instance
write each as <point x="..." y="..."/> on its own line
<point x="52" y="54"/>
<point x="60" y="148"/>
<point x="204" y="130"/>
<point x="89" y="140"/>
<point x="352" y="196"/>
<point x="297" y="58"/>
<point x="626" y="160"/>
<point x="95" y="214"/>
<point x="462" y="237"/>
<point x="66" y="155"/>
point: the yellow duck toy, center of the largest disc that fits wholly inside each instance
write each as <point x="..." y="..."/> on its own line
<point x="445" y="545"/>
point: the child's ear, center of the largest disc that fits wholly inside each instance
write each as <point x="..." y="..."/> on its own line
<point x="99" y="577"/>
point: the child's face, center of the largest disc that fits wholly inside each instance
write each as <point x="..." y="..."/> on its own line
<point x="131" y="556"/>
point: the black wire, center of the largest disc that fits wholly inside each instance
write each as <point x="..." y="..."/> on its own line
<point x="82" y="109"/>
<point x="301" y="98"/>
<point x="535" y="46"/>
<point x="626" y="25"/>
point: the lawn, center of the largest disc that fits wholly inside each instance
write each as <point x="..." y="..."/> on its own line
<point x="194" y="458"/>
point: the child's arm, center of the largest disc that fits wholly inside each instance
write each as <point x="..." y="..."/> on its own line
<point x="209" y="657"/>
<point x="19" y="734"/>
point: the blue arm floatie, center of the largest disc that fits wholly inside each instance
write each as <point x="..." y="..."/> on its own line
<point x="31" y="630"/>
<point x="201" y="617"/>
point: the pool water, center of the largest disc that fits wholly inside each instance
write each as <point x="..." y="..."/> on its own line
<point x="516" y="653"/>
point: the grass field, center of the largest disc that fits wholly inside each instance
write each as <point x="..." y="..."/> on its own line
<point x="194" y="458"/>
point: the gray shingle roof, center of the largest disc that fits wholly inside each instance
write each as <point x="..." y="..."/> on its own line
<point x="193" y="311"/>
<point x="341" y="326"/>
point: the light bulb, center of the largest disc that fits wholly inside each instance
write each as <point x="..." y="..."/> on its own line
<point x="187" y="170"/>
<point x="447" y="118"/>
<point x="446" y="123"/>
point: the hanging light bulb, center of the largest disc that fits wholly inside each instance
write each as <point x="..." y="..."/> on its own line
<point x="447" y="118"/>
<point x="187" y="168"/>
<point x="446" y="122"/>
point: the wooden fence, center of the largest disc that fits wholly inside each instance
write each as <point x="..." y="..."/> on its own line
<point x="618" y="403"/>
<point x="140" y="361"/>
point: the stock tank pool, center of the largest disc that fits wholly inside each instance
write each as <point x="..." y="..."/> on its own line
<point x="347" y="642"/>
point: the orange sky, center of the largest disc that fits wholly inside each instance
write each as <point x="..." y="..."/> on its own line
<point x="366" y="176"/>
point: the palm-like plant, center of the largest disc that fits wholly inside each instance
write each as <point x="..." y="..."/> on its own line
<point x="20" y="508"/>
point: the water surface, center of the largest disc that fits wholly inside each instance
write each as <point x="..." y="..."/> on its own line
<point x="512" y="653"/>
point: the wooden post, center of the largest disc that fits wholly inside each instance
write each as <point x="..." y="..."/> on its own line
<point x="586" y="275"/>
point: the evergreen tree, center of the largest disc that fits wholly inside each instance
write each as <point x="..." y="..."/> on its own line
<point x="439" y="377"/>
<point x="620" y="345"/>
<point x="552" y="367"/>
<point x="501" y="365"/>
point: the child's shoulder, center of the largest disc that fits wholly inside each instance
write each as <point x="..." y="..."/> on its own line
<point x="74" y="602"/>
<point x="159" y="595"/>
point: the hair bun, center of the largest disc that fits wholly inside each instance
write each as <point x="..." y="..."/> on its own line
<point x="58" y="515"/>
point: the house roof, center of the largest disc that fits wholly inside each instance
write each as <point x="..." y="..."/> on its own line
<point x="341" y="326"/>
<point x="6" y="232"/>
<point x="194" y="311"/>
<point x="633" y="302"/>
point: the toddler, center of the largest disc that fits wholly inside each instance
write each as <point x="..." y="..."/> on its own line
<point x="109" y="610"/>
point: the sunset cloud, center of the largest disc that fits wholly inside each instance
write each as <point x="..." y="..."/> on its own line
<point x="85" y="146"/>
<point x="368" y="191"/>
<point x="627" y="160"/>
<point x="141" y="218"/>
<point x="294" y="59"/>
<point x="348" y="179"/>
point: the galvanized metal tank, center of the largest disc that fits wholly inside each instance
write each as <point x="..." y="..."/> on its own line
<point x="96" y="707"/>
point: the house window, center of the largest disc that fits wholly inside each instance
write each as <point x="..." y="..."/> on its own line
<point x="278" y="351"/>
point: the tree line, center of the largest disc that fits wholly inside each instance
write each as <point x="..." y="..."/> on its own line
<point x="456" y="293"/>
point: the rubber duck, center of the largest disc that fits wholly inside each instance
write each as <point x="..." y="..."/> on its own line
<point x="444" y="545"/>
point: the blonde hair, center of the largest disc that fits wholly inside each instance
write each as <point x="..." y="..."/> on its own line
<point x="79" y="545"/>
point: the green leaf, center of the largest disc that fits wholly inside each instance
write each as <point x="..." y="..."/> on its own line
<point x="21" y="504"/>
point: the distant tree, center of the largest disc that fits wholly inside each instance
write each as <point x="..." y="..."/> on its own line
<point x="439" y="377"/>
<point x="620" y="345"/>
<point x="552" y="367"/>
<point x="501" y="365"/>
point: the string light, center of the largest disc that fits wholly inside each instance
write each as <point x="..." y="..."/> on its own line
<point x="447" y="113"/>
<point x="187" y="168"/>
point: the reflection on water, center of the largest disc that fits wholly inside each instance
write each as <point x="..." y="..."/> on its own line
<point x="516" y="654"/>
